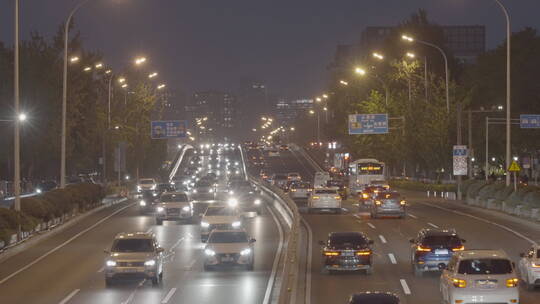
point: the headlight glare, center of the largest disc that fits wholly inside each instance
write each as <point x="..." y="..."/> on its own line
<point x="110" y="263"/>
<point x="257" y="202"/>
<point x="160" y="209"/>
<point x="209" y="252"/>
<point x="246" y="251"/>
<point x="236" y="224"/>
<point x="142" y="203"/>
<point x="150" y="263"/>
<point x="186" y="208"/>
<point x="205" y="224"/>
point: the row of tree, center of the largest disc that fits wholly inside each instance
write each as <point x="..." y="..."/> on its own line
<point x="422" y="130"/>
<point x="89" y="133"/>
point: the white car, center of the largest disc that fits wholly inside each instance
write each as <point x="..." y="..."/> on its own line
<point x="174" y="206"/>
<point x="529" y="267"/>
<point x="325" y="199"/>
<point x="300" y="190"/>
<point x="229" y="247"/>
<point x="480" y="276"/>
<point x="146" y="184"/>
<point x="220" y="217"/>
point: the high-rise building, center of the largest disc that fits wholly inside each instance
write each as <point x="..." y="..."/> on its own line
<point x="218" y="109"/>
<point x="288" y="111"/>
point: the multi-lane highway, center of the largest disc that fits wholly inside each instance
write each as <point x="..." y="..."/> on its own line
<point x="68" y="267"/>
<point x="392" y="269"/>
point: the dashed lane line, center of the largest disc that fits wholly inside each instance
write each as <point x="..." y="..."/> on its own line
<point x="405" y="287"/>
<point x="433" y="225"/>
<point x="371" y="225"/>
<point x="382" y="239"/>
<point x="392" y="258"/>
<point x="168" y="296"/>
<point x="412" y="215"/>
<point x="101" y="269"/>
<point x="69" y="296"/>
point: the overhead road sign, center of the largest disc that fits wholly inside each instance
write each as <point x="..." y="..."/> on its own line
<point x="163" y="129"/>
<point x="529" y="121"/>
<point x="514" y="167"/>
<point x="368" y="124"/>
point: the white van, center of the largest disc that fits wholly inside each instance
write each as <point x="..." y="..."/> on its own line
<point x="320" y="179"/>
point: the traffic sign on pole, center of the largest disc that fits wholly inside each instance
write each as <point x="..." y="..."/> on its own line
<point x="529" y="121"/>
<point x="460" y="160"/>
<point x="368" y="124"/>
<point x="163" y="129"/>
<point x="514" y="167"/>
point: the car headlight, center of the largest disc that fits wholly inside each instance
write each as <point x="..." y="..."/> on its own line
<point x="209" y="252"/>
<point x="250" y="192"/>
<point x="160" y="209"/>
<point x="154" y="194"/>
<point x="246" y="251"/>
<point x="211" y="190"/>
<point x="205" y="224"/>
<point x="138" y="188"/>
<point x="236" y="224"/>
<point x="110" y="263"/>
<point x="38" y="190"/>
<point x="232" y="202"/>
<point x="150" y="263"/>
<point x="186" y="208"/>
<point x="153" y="187"/>
<point x="257" y="202"/>
<point x="142" y="203"/>
<point x="194" y="190"/>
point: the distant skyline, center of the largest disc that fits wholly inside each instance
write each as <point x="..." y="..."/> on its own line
<point x="199" y="45"/>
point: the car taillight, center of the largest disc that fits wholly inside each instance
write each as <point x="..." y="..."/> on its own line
<point x="402" y="203"/>
<point x="365" y="195"/>
<point x="316" y="197"/>
<point x="512" y="282"/>
<point x="331" y="253"/>
<point x="364" y="252"/>
<point x="460" y="248"/>
<point x="337" y="197"/>
<point x="378" y="202"/>
<point x="423" y="249"/>
<point x="459" y="283"/>
<point x="293" y="190"/>
<point x="534" y="265"/>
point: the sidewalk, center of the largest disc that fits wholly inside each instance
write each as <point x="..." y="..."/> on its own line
<point x="521" y="226"/>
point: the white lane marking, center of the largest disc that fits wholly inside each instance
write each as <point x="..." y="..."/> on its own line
<point x="132" y="295"/>
<point x="272" y="279"/>
<point x="483" y="220"/>
<point x="69" y="296"/>
<point x="433" y="225"/>
<point x="176" y="244"/>
<point x="190" y="266"/>
<point x="308" y="262"/>
<point x="357" y="216"/>
<point x="412" y="215"/>
<point x="149" y="230"/>
<point x="405" y="287"/>
<point x="168" y="296"/>
<point x="101" y="269"/>
<point x="382" y="239"/>
<point x="63" y="244"/>
<point x="371" y="225"/>
<point x="392" y="258"/>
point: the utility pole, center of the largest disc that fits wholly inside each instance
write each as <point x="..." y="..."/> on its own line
<point x="469" y="142"/>
<point x="17" y="121"/>
<point x="459" y="140"/>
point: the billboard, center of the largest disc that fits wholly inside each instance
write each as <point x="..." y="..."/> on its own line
<point x="368" y="124"/>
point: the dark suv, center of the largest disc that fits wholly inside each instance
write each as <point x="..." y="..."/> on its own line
<point x="433" y="248"/>
<point x="347" y="251"/>
<point x="374" y="297"/>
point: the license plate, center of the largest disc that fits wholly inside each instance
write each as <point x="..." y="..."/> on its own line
<point x="226" y="259"/>
<point x="129" y="270"/>
<point x="441" y="251"/>
<point x="345" y="253"/>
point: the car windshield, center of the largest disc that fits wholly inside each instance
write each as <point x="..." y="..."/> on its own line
<point x="353" y="240"/>
<point x="146" y="181"/>
<point x="132" y="245"/>
<point x="178" y="197"/>
<point x="220" y="211"/>
<point x="442" y="240"/>
<point x="485" y="266"/>
<point x="325" y="191"/>
<point x="228" y="237"/>
<point x="203" y="184"/>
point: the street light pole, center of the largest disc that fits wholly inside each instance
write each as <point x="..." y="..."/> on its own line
<point x="64" y="96"/>
<point x="17" y="159"/>
<point x="508" y="95"/>
<point x="446" y="72"/>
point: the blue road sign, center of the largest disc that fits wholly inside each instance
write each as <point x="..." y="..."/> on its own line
<point x="460" y="151"/>
<point x="529" y="121"/>
<point x="164" y="129"/>
<point x="368" y="123"/>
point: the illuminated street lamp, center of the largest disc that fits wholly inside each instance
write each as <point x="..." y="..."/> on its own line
<point x="140" y="60"/>
<point x="152" y="75"/>
<point x="360" y="71"/>
<point x="74" y="59"/>
<point x="318" y="99"/>
<point x="161" y="86"/>
<point x="87" y="69"/>
<point x="410" y="55"/>
<point x="378" y="56"/>
<point x="121" y="80"/>
<point x="98" y="65"/>
<point x="22" y="117"/>
<point x="123" y="86"/>
<point x="325" y="96"/>
<point x="343" y="82"/>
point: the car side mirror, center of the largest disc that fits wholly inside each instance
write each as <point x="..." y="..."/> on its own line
<point x="522" y="255"/>
<point x="411" y="241"/>
<point x="322" y="243"/>
<point x="252" y="240"/>
<point x="371" y="242"/>
<point x="106" y="251"/>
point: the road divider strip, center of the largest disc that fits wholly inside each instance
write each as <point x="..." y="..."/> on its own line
<point x="69" y="296"/>
<point x="405" y="287"/>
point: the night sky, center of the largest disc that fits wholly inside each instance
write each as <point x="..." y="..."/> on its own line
<point x="217" y="44"/>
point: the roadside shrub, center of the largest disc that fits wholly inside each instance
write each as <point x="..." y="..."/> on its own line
<point x="474" y="188"/>
<point x="419" y="186"/>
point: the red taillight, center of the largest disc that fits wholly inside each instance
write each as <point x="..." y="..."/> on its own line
<point x="460" y="248"/>
<point x="364" y="252"/>
<point x="331" y="253"/>
<point x="365" y="195"/>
